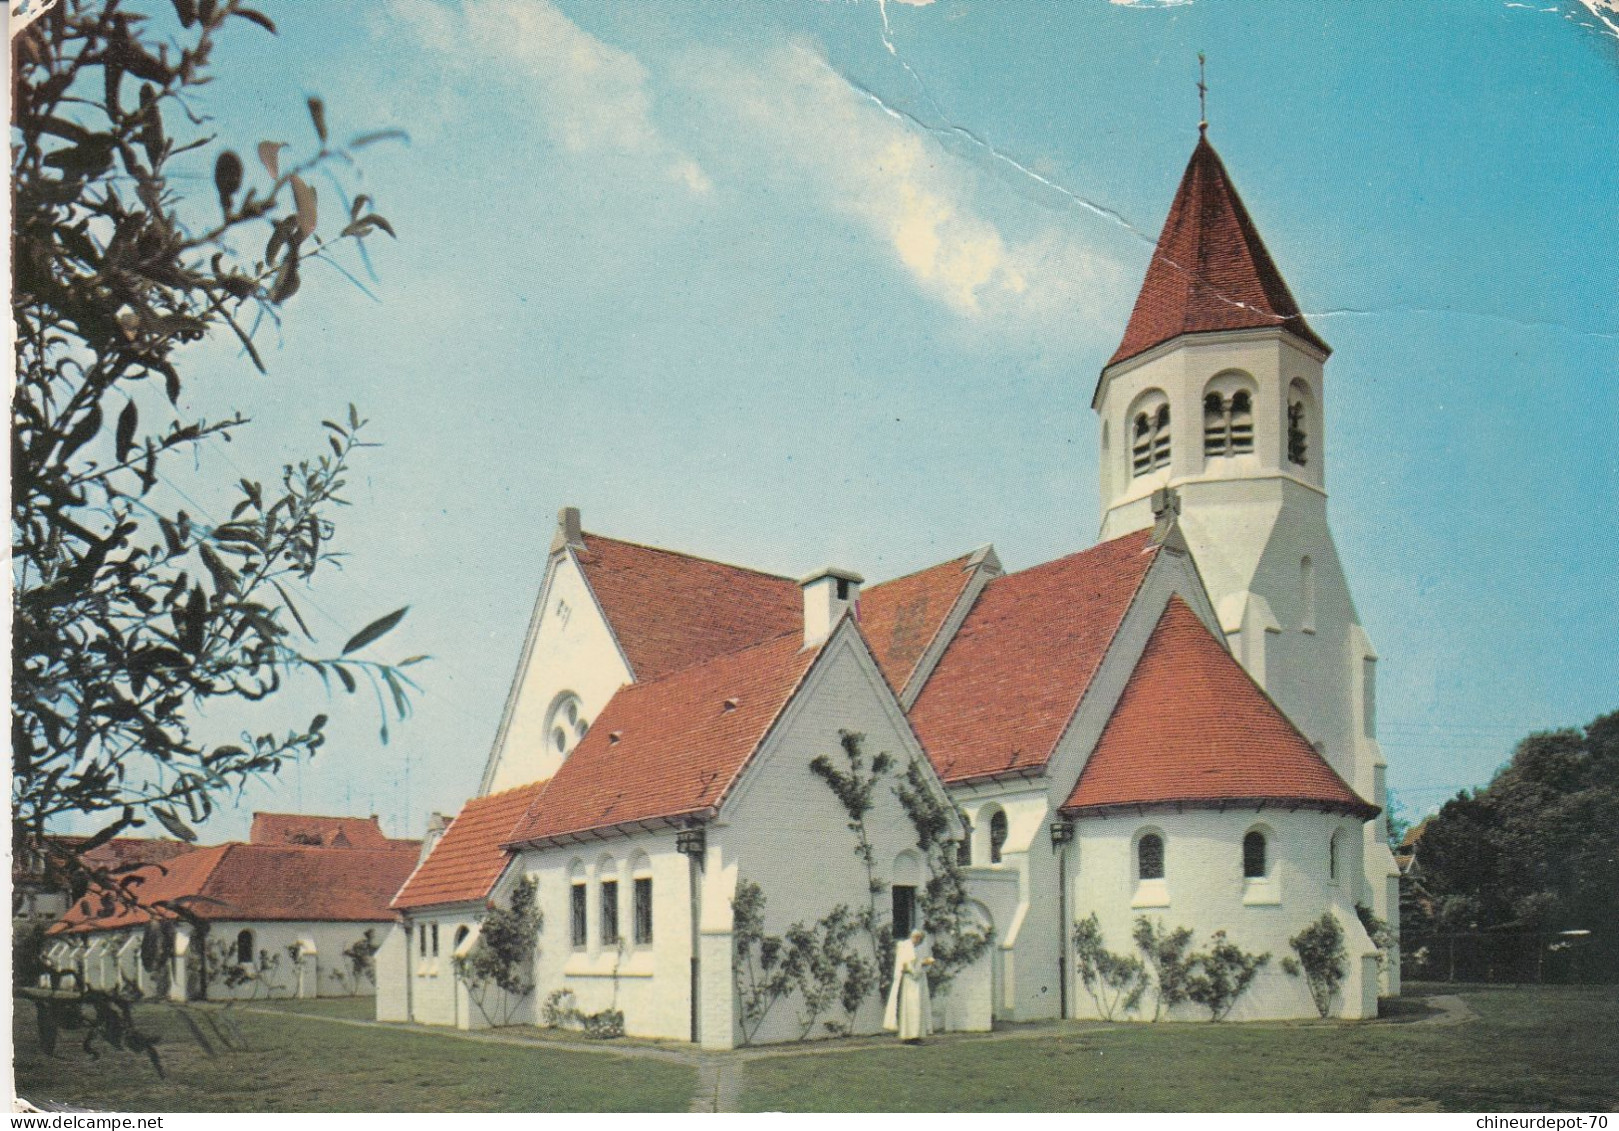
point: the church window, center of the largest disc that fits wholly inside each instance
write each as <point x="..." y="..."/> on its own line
<point x="1150" y="857"/>
<point x="1368" y="693"/>
<point x="1307" y="593"/>
<point x="997" y="835"/>
<point x="609" y="893"/>
<point x="904" y="910"/>
<point x="1334" y="847"/>
<point x="1242" y="423"/>
<point x="1228" y="415"/>
<point x="244" y="947"/>
<point x="461" y="934"/>
<point x="565" y="723"/>
<point x="1255" y="864"/>
<point x="643" y="910"/>
<point x="1149" y="448"/>
<point x="576" y="914"/>
<point x="421" y="940"/>
<point x="1216" y="426"/>
<point x="435" y="940"/>
<point x="1298" y="423"/>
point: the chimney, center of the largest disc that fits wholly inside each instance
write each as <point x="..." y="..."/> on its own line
<point x="569" y="533"/>
<point x="827" y="593"/>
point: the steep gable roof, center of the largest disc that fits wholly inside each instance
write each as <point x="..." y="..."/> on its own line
<point x="251" y="882"/>
<point x="901" y="617"/>
<point x="669" y="610"/>
<point x="321" y="832"/>
<point x="1016" y="670"/>
<point x="1210" y="270"/>
<point x="470" y="856"/>
<point x="670" y="748"/>
<point x="1193" y="727"/>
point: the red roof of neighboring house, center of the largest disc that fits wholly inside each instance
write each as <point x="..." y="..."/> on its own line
<point x="1210" y="270"/>
<point x="470" y="857"/>
<point x="671" y="747"/>
<point x="901" y="617"/>
<point x="670" y="610"/>
<point x="319" y="832"/>
<point x="252" y="882"/>
<point x="1017" y="668"/>
<point x="1192" y="726"/>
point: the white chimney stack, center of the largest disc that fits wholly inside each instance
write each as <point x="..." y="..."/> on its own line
<point x="827" y="593"/>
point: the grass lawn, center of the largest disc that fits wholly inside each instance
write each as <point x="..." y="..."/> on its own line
<point x="351" y="1008"/>
<point x="301" y="1064"/>
<point x="1552" y="1048"/>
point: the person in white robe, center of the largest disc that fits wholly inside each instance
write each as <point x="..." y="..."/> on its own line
<point x="910" y="1010"/>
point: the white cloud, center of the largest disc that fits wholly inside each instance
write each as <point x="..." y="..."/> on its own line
<point x="590" y="96"/>
<point x="912" y="195"/>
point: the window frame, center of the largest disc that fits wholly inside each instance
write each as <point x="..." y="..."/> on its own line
<point x="579" y="914"/>
<point x="1162" y="871"/>
<point x="1253" y="858"/>
<point x="245" y="936"/>
<point x="999" y="829"/>
<point x="641" y="917"/>
<point x="608" y="910"/>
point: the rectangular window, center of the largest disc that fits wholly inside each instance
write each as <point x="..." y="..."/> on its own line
<point x="643" y="911"/>
<point x="576" y="909"/>
<point x="421" y="938"/>
<point x="435" y="940"/>
<point x="904" y="910"/>
<point x="609" y="912"/>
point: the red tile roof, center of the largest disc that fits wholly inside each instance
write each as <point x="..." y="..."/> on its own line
<point x="671" y="610"/>
<point x="1210" y="270"/>
<point x="901" y="617"/>
<point x="1016" y="670"/>
<point x="1193" y="727"/>
<point x="320" y="832"/>
<point x="469" y="858"/>
<point x="672" y="747"/>
<point x="251" y="882"/>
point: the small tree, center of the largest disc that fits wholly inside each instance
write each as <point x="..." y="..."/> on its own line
<point x="1116" y="982"/>
<point x="1166" y="955"/>
<point x="503" y="957"/>
<point x="1222" y="975"/>
<point x="1321" y="955"/>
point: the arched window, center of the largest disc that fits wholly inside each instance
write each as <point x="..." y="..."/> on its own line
<point x="1149" y="441"/>
<point x="461" y="934"/>
<point x="641" y="922"/>
<point x="244" y="947"/>
<point x="1150" y="857"/>
<point x="1334" y="847"/>
<point x="1307" y="593"/>
<point x="964" y="847"/>
<point x="1298" y="423"/>
<point x="1228" y="415"/>
<point x="1255" y="865"/>
<point x="997" y="835"/>
<point x="435" y="940"/>
<point x="565" y="724"/>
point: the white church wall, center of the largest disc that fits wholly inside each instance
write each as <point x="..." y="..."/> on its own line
<point x="1204" y="888"/>
<point x="393" y="974"/>
<point x="788" y="833"/>
<point x="569" y="649"/>
<point x="435" y="996"/>
<point x="649" y="982"/>
<point x="327" y="974"/>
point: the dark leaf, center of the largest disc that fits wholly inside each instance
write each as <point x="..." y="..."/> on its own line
<point x="187" y="11"/>
<point x="375" y="630"/>
<point x="317" y="114"/>
<point x="225" y="580"/>
<point x="227" y="178"/>
<point x="380" y="135"/>
<point x="127" y="420"/>
<point x="83" y="432"/>
<point x="286" y="280"/>
<point x="259" y="18"/>
<point x="176" y="826"/>
<point x="293" y="609"/>
<point x="344" y="675"/>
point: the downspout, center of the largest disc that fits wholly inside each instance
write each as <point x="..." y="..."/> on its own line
<point x="410" y="976"/>
<point x="1062" y="927"/>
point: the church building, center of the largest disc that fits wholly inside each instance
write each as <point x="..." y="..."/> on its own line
<point x="1176" y="723"/>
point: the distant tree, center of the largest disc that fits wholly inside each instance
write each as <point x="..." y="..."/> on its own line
<point x="1537" y="850"/>
<point x="131" y="613"/>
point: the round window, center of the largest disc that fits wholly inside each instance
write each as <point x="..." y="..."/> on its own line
<point x="566" y="724"/>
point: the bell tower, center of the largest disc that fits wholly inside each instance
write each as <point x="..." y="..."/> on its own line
<point x="1218" y="391"/>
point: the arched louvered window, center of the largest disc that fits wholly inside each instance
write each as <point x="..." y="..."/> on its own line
<point x="1149" y="441"/>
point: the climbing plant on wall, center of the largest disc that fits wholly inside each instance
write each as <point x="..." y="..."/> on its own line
<point x="499" y="970"/>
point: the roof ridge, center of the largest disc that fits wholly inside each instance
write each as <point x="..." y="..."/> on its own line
<point x="688" y="555"/>
<point x="963" y="558"/>
<point x="659" y="681"/>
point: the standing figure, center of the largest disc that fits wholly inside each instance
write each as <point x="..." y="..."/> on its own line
<point x="910" y="1010"/>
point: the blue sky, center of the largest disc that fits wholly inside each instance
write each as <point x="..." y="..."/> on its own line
<point x="825" y="281"/>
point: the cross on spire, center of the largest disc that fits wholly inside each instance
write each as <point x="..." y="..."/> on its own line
<point x="1202" y="98"/>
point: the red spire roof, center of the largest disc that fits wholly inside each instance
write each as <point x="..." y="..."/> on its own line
<point x="1211" y="270"/>
<point x="470" y="856"/>
<point x="1015" y="672"/>
<point x="1192" y="727"/>
<point x="670" y="610"/>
